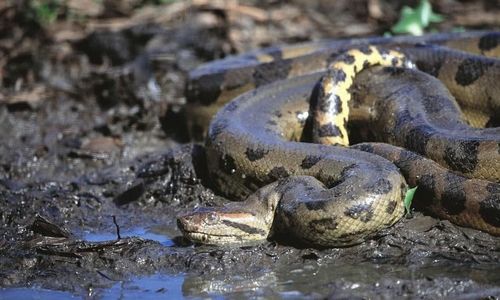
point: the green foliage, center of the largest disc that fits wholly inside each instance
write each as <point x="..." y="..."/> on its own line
<point x="409" y="199"/>
<point x="45" y="11"/>
<point x="415" y="20"/>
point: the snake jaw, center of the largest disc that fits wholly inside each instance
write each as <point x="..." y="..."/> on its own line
<point x="217" y="226"/>
<point x="234" y="223"/>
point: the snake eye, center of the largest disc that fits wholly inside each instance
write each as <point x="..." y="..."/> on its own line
<point x="212" y="218"/>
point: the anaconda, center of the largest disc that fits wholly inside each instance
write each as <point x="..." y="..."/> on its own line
<point x="335" y="196"/>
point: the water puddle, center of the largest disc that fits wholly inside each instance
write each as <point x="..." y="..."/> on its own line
<point x="313" y="281"/>
<point x="298" y="281"/>
<point x="34" y="293"/>
<point x="158" y="233"/>
<point x="156" y="286"/>
<point x="148" y="287"/>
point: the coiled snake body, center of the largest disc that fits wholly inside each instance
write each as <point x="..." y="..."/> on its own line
<point x="336" y="196"/>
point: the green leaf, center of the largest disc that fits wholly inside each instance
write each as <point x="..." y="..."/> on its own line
<point x="45" y="11"/>
<point x="406" y="11"/>
<point x="424" y="10"/>
<point x="414" y="21"/>
<point x="409" y="199"/>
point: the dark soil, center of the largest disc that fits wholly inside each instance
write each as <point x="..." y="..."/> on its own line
<point x="91" y="143"/>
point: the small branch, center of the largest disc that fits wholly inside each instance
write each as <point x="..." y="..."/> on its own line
<point x="117" y="229"/>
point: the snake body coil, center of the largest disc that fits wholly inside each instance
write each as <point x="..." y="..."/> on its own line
<point x="336" y="196"/>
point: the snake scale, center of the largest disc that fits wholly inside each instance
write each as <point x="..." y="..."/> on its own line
<point x="258" y="145"/>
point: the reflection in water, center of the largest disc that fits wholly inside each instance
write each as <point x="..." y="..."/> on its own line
<point x="158" y="234"/>
<point x="34" y="293"/>
<point x="307" y="279"/>
<point x="312" y="280"/>
<point x="222" y="285"/>
<point x="156" y="286"/>
<point x="286" y="281"/>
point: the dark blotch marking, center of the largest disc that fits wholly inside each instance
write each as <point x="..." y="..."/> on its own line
<point x="324" y="104"/>
<point x="202" y="88"/>
<point x="406" y="160"/>
<point x="431" y="68"/>
<point x="347" y="58"/>
<point x="278" y="173"/>
<point x="379" y="187"/>
<point x="489" y="41"/>
<point x="383" y="52"/>
<point x="227" y="164"/>
<point x="335" y="55"/>
<point x="278" y="114"/>
<point x="417" y="138"/>
<point x="323" y="225"/>
<point x="365" y="50"/>
<point x="337" y="75"/>
<point x="275" y="52"/>
<point x="269" y="131"/>
<point x="245" y="228"/>
<point x="309" y="161"/>
<point x="272" y="71"/>
<point x="231" y="106"/>
<point x="347" y="171"/>
<point x="394" y="61"/>
<point x="462" y="156"/>
<point x="366" y="64"/>
<point x="338" y="104"/>
<point x="329" y="130"/>
<point x="272" y="123"/>
<point x="363" y="212"/>
<point x="404" y="189"/>
<point x="391" y="207"/>
<point x="253" y="183"/>
<point x="365" y="147"/>
<point x="317" y="204"/>
<point x="453" y="198"/>
<point x="470" y="70"/>
<point x="425" y="192"/>
<point x="493" y="188"/>
<point x="255" y="154"/>
<point x="403" y="120"/>
<point x="434" y="103"/>
<point x="394" y="71"/>
<point x="489" y="208"/>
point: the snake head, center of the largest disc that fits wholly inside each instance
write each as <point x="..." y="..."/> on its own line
<point x="222" y="225"/>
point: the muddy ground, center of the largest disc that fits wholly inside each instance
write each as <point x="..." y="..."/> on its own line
<point x="92" y="144"/>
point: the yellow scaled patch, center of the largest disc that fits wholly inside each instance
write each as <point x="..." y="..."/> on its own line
<point x="332" y="110"/>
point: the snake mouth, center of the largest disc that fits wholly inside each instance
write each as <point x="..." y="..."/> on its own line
<point x="200" y="229"/>
<point x="220" y="238"/>
<point x="213" y="239"/>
